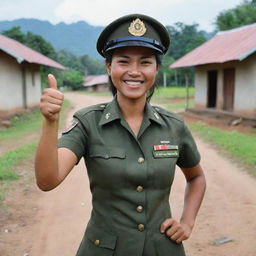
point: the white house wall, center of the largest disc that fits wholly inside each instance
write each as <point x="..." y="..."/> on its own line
<point x="245" y="86"/>
<point x="33" y="85"/>
<point x="10" y="83"/>
<point x="200" y="88"/>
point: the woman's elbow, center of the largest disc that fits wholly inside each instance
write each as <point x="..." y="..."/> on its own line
<point x="46" y="186"/>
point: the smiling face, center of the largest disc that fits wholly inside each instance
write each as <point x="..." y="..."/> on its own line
<point x="133" y="71"/>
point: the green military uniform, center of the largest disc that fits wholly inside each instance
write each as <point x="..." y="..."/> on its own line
<point x="130" y="178"/>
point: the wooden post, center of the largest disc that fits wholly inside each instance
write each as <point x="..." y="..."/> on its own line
<point x="164" y="76"/>
<point x="176" y="77"/>
<point x="24" y="88"/>
<point x="187" y="90"/>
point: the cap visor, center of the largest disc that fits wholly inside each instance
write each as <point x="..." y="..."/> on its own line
<point x="134" y="43"/>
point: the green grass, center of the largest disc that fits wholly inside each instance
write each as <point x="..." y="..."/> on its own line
<point x="173" y="106"/>
<point x="9" y="161"/>
<point x="239" y="145"/>
<point x="163" y="96"/>
<point x="21" y="126"/>
<point x="173" y="98"/>
<point x="100" y="94"/>
<point x="25" y="124"/>
<point x="160" y="93"/>
<point x="166" y="93"/>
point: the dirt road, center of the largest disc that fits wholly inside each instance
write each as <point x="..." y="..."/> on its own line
<point x="53" y="223"/>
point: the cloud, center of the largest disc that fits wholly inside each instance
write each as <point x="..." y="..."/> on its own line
<point x="101" y="12"/>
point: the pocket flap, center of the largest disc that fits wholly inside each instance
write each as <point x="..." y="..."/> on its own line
<point x="100" y="237"/>
<point x="102" y="152"/>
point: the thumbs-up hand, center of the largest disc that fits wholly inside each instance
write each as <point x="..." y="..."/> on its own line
<point x="51" y="100"/>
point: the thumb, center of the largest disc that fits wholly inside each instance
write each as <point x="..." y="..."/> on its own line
<point x="52" y="82"/>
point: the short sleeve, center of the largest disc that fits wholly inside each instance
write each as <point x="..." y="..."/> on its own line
<point x="75" y="139"/>
<point x="188" y="153"/>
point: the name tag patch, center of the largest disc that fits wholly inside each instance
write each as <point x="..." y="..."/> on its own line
<point x="162" y="151"/>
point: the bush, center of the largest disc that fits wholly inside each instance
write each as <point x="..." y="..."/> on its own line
<point x="72" y="79"/>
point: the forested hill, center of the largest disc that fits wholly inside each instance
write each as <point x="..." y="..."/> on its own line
<point x="78" y="38"/>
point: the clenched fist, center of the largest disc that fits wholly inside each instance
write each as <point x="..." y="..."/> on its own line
<point x="51" y="100"/>
<point x="175" y="230"/>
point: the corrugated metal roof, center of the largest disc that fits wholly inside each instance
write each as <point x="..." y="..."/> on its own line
<point x="235" y="44"/>
<point x="23" y="53"/>
<point x="95" y="79"/>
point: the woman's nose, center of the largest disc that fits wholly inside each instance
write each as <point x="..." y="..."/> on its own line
<point x="134" y="70"/>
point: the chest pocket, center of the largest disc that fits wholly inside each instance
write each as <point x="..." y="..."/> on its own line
<point x="107" y="153"/>
<point x="106" y="166"/>
<point x="97" y="242"/>
<point x="164" y="162"/>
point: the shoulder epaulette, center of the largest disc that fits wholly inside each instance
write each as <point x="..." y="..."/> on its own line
<point x="86" y="110"/>
<point x="167" y="113"/>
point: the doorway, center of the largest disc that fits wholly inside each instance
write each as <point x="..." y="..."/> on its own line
<point x="212" y="78"/>
<point x="229" y="89"/>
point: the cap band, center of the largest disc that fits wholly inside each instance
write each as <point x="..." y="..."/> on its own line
<point x="131" y="41"/>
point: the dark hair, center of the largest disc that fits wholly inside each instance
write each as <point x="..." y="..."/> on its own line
<point x="108" y="59"/>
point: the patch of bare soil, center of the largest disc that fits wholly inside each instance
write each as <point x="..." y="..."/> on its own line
<point x="34" y="223"/>
<point x="222" y="121"/>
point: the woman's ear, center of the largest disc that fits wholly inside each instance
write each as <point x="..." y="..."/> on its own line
<point x="108" y="67"/>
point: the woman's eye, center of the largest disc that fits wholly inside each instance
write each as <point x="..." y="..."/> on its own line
<point x="146" y="62"/>
<point x="123" y="61"/>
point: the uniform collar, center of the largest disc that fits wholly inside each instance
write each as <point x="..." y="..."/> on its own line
<point x="152" y="114"/>
<point x="113" y="112"/>
<point x="110" y="113"/>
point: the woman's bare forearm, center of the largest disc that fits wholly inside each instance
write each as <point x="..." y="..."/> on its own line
<point x="195" y="190"/>
<point x="46" y="161"/>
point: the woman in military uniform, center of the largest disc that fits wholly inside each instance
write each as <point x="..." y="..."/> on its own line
<point x="130" y="149"/>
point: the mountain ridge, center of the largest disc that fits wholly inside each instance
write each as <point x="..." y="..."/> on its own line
<point x="78" y="38"/>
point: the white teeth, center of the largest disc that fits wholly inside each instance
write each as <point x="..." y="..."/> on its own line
<point x="133" y="82"/>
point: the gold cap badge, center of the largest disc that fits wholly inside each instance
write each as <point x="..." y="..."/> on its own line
<point x="137" y="28"/>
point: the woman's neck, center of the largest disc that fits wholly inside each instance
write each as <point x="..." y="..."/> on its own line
<point x="131" y="108"/>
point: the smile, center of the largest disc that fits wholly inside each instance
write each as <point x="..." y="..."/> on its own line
<point x="133" y="83"/>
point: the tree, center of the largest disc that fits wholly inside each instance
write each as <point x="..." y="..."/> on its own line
<point x="165" y="74"/>
<point x="39" y="44"/>
<point x="72" y="79"/>
<point x="241" y="15"/>
<point x="92" y="66"/>
<point x="184" y="38"/>
<point x="16" y="34"/>
<point x="70" y="60"/>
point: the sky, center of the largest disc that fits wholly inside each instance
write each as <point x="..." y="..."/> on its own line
<point x="102" y="12"/>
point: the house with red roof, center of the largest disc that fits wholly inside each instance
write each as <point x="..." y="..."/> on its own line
<point x="97" y="83"/>
<point x="225" y="71"/>
<point x="20" y="83"/>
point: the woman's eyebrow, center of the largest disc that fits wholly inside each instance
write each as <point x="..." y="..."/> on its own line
<point x="123" y="56"/>
<point x="142" y="57"/>
<point x="147" y="57"/>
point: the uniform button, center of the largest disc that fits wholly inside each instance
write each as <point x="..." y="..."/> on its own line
<point x="141" y="160"/>
<point x="141" y="227"/>
<point x="97" y="242"/>
<point x="139" y="208"/>
<point x="139" y="188"/>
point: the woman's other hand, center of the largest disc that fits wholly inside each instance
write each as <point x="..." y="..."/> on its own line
<point x="176" y="231"/>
